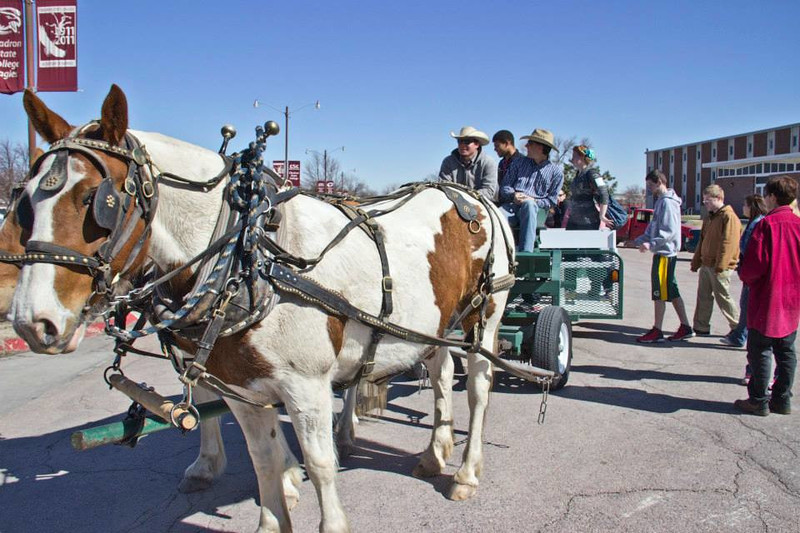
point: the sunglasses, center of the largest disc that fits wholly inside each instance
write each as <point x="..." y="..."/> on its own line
<point x="466" y="141"/>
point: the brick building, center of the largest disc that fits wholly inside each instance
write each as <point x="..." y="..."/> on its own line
<point x="741" y="164"/>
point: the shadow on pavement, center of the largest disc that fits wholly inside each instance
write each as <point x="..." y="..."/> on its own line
<point x="115" y="488"/>
<point x="630" y="374"/>
<point x="644" y="401"/>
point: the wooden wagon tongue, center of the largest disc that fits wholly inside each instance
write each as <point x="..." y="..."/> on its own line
<point x="155" y="403"/>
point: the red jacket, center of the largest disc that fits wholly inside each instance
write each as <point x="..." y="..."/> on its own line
<point x="771" y="268"/>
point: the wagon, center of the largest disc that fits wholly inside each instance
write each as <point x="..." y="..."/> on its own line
<point x="570" y="276"/>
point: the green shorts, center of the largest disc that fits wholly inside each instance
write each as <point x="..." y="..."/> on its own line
<point x="662" y="277"/>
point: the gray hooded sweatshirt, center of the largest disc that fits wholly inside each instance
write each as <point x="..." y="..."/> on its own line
<point x="664" y="231"/>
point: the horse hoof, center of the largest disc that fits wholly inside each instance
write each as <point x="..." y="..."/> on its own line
<point x="193" y="484"/>
<point x="344" y="450"/>
<point x="422" y="471"/>
<point x="459" y="492"/>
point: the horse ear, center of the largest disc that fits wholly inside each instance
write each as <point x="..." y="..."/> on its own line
<point x="114" y="116"/>
<point x="37" y="153"/>
<point x="47" y="123"/>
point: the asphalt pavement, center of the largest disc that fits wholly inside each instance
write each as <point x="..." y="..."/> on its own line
<point x="643" y="438"/>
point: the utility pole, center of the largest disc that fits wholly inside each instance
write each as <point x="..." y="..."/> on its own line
<point x="29" y="67"/>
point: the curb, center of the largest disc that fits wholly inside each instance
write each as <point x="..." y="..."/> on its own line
<point x="14" y="345"/>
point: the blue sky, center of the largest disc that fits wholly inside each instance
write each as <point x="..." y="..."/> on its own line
<point x="394" y="78"/>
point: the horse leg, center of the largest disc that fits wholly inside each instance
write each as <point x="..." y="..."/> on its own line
<point x="479" y="384"/>
<point x="211" y="460"/>
<point x="309" y="402"/>
<point x="433" y="459"/>
<point x="345" y="428"/>
<point x="261" y="430"/>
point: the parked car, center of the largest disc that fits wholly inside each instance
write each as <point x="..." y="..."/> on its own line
<point x="639" y="218"/>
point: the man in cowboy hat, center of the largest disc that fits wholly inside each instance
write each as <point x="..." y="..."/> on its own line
<point x="468" y="165"/>
<point x="531" y="183"/>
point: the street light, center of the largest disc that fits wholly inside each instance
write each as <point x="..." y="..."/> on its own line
<point x="325" y="157"/>
<point x="286" y="113"/>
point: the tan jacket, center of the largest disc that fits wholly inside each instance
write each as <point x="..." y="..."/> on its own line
<point x="718" y="247"/>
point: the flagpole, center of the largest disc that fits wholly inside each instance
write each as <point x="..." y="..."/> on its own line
<point x="29" y="64"/>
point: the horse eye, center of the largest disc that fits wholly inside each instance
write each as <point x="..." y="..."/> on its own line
<point x="25" y="212"/>
<point x="89" y="196"/>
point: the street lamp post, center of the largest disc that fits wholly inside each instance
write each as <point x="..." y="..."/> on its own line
<point x="257" y="103"/>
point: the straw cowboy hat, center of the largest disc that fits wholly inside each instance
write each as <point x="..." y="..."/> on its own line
<point x="541" y="136"/>
<point x="472" y="133"/>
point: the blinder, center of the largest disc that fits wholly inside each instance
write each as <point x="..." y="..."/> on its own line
<point x="56" y="177"/>
<point x="107" y="205"/>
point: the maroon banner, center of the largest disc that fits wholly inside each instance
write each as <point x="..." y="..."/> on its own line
<point x="57" y="25"/>
<point x="294" y="171"/>
<point x="12" y="47"/>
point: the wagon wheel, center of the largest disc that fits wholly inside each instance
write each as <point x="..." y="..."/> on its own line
<point x="552" y="343"/>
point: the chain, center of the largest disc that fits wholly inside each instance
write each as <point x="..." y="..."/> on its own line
<point x="543" y="405"/>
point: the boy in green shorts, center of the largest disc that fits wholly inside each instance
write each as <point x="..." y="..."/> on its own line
<point x="663" y="238"/>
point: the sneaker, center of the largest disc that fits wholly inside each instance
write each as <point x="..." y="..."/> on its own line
<point x="751" y="408"/>
<point x="652" y="336"/>
<point x="728" y="342"/>
<point x="684" y="332"/>
<point x="780" y="409"/>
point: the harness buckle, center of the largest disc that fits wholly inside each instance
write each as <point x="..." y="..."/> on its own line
<point x="148" y="190"/>
<point x="386" y="283"/>
<point x="476" y="228"/>
<point x="477" y="300"/>
<point x="130" y="186"/>
<point x="193" y="373"/>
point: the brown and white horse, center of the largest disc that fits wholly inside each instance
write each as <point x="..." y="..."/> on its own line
<point x="297" y="351"/>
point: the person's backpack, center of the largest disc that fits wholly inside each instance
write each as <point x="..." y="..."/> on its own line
<point x="616" y="213"/>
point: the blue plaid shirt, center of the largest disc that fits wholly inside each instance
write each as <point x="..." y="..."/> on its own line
<point x="541" y="182"/>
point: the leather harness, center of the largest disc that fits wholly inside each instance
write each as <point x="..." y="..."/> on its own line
<point x="244" y="266"/>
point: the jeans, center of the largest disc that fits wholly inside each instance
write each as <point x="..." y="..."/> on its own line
<point x="760" y="350"/>
<point x="738" y="335"/>
<point x="522" y="216"/>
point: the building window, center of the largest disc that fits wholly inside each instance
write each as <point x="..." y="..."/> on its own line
<point x="770" y="144"/>
<point x="697" y="199"/>
<point x="698" y="152"/>
<point x="790" y="167"/>
<point x="794" y="140"/>
<point x="774" y="167"/>
<point x="750" y="147"/>
<point x="730" y="150"/>
<point x="759" y="168"/>
<point x="713" y="174"/>
<point x="659" y="160"/>
<point x="684" y="156"/>
<point x="671" y="159"/>
<point x="782" y="167"/>
<point x="714" y="152"/>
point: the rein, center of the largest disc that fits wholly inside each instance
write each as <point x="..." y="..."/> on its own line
<point x="245" y="269"/>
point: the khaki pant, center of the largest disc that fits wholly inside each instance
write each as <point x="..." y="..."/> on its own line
<point x="712" y="286"/>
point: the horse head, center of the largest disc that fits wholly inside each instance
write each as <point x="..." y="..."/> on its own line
<point x="80" y="199"/>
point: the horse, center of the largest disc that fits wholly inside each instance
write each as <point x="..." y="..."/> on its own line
<point x="298" y="348"/>
<point x="211" y="460"/>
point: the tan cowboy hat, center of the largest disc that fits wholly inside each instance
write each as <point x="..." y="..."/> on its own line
<point x="472" y="133"/>
<point x="541" y="136"/>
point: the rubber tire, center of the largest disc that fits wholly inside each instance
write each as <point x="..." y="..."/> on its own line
<point x="549" y="326"/>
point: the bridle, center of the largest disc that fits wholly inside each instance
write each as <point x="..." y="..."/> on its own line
<point x="117" y="211"/>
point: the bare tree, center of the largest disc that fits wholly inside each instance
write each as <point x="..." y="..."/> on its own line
<point x="565" y="146"/>
<point x="13" y="167"/>
<point x="633" y="195"/>
<point x="320" y="167"/>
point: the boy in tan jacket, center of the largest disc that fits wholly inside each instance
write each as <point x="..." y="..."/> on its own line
<point x="715" y="258"/>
